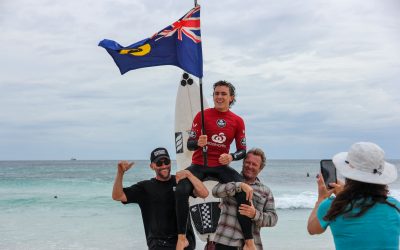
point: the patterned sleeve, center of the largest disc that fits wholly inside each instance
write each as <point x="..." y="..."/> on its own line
<point x="226" y="190"/>
<point x="240" y="136"/>
<point x="266" y="217"/>
<point x="195" y="132"/>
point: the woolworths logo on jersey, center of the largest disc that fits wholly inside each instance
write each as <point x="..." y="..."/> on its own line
<point x="220" y="138"/>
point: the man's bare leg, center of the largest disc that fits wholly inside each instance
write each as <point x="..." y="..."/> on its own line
<point x="249" y="245"/>
<point x="183" y="242"/>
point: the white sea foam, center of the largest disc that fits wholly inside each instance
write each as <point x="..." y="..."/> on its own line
<point x="296" y="201"/>
<point x="395" y="193"/>
<point x="307" y="199"/>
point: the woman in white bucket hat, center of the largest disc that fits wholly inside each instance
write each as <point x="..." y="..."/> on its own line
<point x="362" y="215"/>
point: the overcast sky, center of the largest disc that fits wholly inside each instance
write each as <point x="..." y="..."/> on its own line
<point x="312" y="77"/>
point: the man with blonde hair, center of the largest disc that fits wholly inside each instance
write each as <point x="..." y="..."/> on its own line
<point x="261" y="209"/>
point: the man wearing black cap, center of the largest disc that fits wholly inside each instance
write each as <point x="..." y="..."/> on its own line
<point x="156" y="200"/>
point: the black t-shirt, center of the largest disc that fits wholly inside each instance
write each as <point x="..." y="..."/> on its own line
<point x="156" y="200"/>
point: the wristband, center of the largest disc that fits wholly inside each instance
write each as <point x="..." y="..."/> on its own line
<point x="238" y="155"/>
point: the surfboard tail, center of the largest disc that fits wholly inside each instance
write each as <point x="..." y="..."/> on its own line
<point x="205" y="217"/>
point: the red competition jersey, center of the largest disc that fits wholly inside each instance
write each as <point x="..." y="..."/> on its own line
<point x="221" y="128"/>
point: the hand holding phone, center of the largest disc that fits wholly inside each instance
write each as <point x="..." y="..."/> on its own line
<point x="328" y="172"/>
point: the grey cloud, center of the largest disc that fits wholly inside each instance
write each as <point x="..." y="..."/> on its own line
<point x="312" y="77"/>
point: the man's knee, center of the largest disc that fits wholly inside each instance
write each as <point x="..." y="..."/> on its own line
<point x="184" y="188"/>
<point x="241" y="198"/>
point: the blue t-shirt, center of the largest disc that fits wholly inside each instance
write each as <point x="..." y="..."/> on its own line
<point x="378" y="228"/>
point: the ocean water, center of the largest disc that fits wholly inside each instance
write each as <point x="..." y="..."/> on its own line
<point x="67" y="205"/>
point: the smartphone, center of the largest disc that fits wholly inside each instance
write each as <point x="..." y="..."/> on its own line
<point x="328" y="172"/>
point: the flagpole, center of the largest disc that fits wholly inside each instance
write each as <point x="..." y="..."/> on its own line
<point x="203" y="129"/>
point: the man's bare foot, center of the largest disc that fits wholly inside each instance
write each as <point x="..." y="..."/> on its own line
<point x="249" y="245"/>
<point x="182" y="242"/>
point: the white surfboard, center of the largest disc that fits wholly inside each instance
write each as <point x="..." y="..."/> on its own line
<point x="203" y="212"/>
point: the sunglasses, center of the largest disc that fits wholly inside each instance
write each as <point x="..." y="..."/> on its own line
<point x="159" y="163"/>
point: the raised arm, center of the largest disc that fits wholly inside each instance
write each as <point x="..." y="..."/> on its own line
<point x="313" y="224"/>
<point x="118" y="192"/>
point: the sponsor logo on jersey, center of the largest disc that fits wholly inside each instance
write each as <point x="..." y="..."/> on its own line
<point x="192" y="134"/>
<point x="243" y="142"/>
<point x="221" y="123"/>
<point x="216" y="144"/>
<point x="220" y="138"/>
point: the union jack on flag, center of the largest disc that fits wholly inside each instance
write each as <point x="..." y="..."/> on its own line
<point x="178" y="44"/>
<point x="187" y="25"/>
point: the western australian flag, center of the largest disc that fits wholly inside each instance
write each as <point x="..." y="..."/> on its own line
<point x="178" y="44"/>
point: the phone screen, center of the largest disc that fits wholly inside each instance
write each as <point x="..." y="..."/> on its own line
<point x="328" y="172"/>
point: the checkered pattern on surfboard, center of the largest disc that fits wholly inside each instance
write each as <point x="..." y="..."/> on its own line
<point x="205" y="216"/>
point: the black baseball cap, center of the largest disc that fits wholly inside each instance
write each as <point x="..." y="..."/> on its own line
<point x="158" y="154"/>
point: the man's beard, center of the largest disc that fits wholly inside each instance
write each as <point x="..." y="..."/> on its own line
<point x="164" y="173"/>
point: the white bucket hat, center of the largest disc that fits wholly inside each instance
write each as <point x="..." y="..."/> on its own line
<point x="365" y="162"/>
